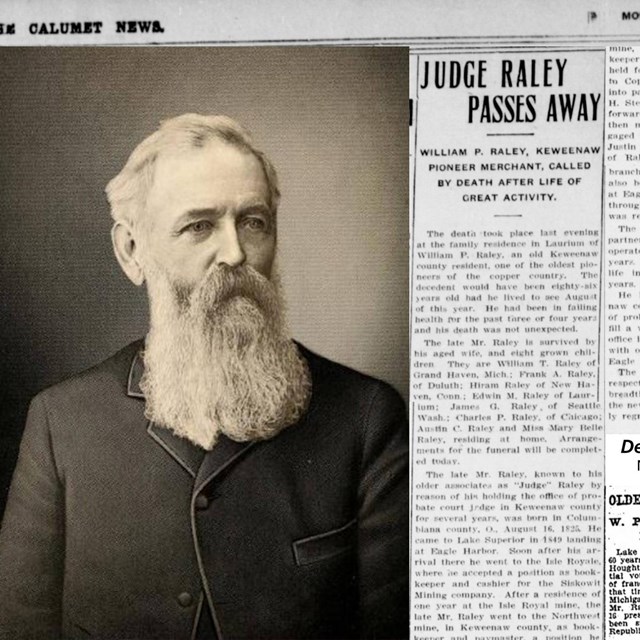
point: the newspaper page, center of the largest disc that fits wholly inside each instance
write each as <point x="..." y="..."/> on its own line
<point x="521" y="381"/>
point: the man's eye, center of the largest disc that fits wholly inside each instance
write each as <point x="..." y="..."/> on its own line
<point x="255" y="224"/>
<point x="200" y="226"/>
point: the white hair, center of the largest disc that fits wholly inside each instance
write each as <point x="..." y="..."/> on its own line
<point x="127" y="192"/>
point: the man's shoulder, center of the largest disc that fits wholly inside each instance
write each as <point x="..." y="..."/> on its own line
<point x="109" y="377"/>
<point x="339" y="384"/>
<point x="118" y="376"/>
<point x="337" y="374"/>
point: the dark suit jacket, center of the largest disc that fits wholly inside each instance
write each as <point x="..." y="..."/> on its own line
<point x="116" y="528"/>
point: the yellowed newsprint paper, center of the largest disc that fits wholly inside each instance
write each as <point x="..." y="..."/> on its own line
<point x="380" y="374"/>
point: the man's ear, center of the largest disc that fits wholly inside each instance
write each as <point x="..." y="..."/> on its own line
<point x="127" y="252"/>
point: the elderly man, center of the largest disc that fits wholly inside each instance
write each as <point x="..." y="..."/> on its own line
<point x="219" y="480"/>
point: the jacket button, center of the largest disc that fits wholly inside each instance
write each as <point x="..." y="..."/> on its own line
<point x="185" y="599"/>
<point x="202" y="502"/>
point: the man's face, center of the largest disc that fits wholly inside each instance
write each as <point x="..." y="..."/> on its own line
<point x="206" y="207"/>
<point x="218" y="359"/>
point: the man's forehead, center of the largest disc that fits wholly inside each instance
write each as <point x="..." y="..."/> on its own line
<point x="213" y="177"/>
<point x="215" y="155"/>
<point x="216" y="170"/>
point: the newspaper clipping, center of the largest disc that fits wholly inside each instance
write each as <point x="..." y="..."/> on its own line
<point x="507" y="426"/>
<point x="524" y="364"/>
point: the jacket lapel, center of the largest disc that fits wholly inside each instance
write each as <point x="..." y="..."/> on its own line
<point x="186" y="454"/>
<point x="135" y="375"/>
<point x="224" y="453"/>
<point x="198" y="463"/>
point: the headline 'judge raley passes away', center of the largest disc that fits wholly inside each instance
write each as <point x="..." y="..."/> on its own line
<point x="218" y="479"/>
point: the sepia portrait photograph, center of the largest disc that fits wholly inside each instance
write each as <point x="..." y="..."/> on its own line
<point x="205" y="278"/>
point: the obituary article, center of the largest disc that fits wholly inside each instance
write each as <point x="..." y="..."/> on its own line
<point x="525" y="303"/>
<point x="508" y="436"/>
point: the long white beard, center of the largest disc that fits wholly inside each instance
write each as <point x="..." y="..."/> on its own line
<point x="218" y="358"/>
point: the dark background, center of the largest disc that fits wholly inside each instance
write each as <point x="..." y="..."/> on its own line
<point x="333" y="120"/>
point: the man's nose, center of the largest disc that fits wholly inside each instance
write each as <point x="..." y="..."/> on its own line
<point x="230" y="250"/>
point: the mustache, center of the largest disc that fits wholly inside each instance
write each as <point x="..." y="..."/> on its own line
<point x="222" y="284"/>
